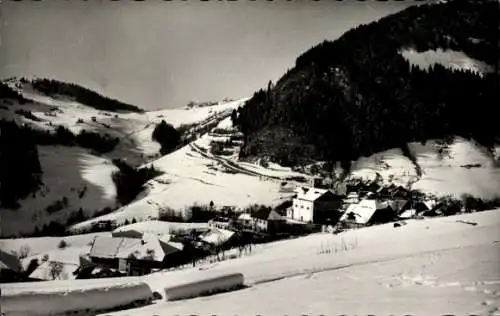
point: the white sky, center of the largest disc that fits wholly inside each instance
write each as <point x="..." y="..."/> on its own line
<point x="161" y="54"/>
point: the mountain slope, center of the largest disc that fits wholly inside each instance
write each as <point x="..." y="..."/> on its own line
<point x="68" y="178"/>
<point x="359" y="94"/>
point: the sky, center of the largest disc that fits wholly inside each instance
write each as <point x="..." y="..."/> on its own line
<point x="163" y="54"/>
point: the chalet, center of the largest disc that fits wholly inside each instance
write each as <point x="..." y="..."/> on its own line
<point x="267" y="220"/>
<point x="367" y="212"/>
<point x="135" y="256"/>
<point x="315" y="205"/>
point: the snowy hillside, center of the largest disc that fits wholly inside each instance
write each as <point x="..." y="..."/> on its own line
<point x="448" y="58"/>
<point x="460" y="167"/>
<point x="451" y="268"/>
<point x="193" y="175"/>
<point x="77" y="178"/>
<point x="207" y="169"/>
<point x="200" y="176"/>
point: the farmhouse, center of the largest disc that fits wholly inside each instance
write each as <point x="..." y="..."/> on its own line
<point x="367" y="212"/>
<point x="267" y="220"/>
<point x="315" y="205"/>
<point x="135" y="256"/>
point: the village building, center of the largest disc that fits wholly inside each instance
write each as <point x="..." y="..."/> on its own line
<point x="413" y="208"/>
<point x="219" y="222"/>
<point x="244" y="220"/>
<point x="267" y="220"/>
<point x="315" y="205"/>
<point x="367" y="212"/>
<point x="217" y="237"/>
<point x="134" y="256"/>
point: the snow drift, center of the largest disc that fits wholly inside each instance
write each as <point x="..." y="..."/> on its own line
<point x="78" y="301"/>
<point x="222" y="283"/>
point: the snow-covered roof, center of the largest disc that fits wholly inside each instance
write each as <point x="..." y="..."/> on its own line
<point x="244" y="217"/>
<point x="149" y="247"/>
<point x="217" y="236"/>
<point x="43" y="271"/>
<point x="312" y="194"/>
<point x="364" y="211"/>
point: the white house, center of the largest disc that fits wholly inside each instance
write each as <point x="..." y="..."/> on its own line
<point x="313" y="205"/>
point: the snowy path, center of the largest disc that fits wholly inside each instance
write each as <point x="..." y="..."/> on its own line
<point x="230" y="164"/>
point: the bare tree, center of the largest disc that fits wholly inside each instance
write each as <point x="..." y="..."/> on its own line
<point x="55" y="269"/>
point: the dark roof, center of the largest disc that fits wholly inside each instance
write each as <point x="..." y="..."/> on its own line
<point x="131" y="233"/>
<point x="9" y="262"/>
<point x="262" y="214"/>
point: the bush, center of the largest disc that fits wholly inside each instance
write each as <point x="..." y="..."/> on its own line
<point x="62" y="244"/>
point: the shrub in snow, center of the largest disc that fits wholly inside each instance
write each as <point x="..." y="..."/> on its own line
<point x="62" y="244"/>
<point x="205" y="286"/>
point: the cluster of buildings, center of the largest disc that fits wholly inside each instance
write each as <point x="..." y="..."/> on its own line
<point x="323" y="207"/>
<point x="131" y="252"/>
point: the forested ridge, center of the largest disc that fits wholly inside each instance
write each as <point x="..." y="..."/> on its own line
<point x="358" y="95"/>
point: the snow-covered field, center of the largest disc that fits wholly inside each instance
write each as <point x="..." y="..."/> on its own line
<point x="448" y="58"/>
<point x="43" y="245"/>
<point x="446" y="265"/>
